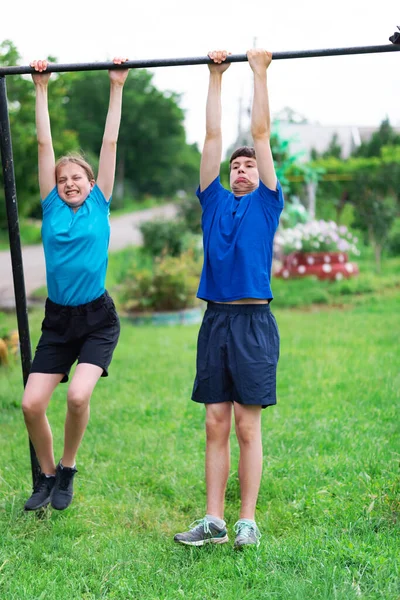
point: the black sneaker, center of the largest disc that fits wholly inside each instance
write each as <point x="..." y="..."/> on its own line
<point x="63" y="489"/>
<point x="41" y="493"/>
<point x="203" y="532"/>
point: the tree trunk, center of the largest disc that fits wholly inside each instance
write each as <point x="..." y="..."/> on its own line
<point x="340" y="205"/>
<point x="378" y="257"/>
<point x="377" y="249"/>
<point x="311" y="187"/>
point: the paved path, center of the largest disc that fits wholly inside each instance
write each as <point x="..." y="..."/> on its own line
<point x="124" y="232"/>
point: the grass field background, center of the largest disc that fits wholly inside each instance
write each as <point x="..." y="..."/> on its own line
<point x="329" y="502"/>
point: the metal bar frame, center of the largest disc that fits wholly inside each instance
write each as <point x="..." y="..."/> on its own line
<point x="9" y="177"/>
<point x="201" y="60"/>
<point x="15" y="249"/>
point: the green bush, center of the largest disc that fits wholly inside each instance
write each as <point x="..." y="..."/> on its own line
<point x="357" y="285"/>
<point x="4" y="328"/>
<point x="120" y="264"/>
<point x="30" y="231"/>
<point x="393" y="245"/>
<point x="190" y="212"/>
<point x="162" y="235"/>
<point x="171" y="284"/>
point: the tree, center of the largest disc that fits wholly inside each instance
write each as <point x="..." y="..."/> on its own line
<point x="153" y="157"/>
<point x="21" y="104"/>
<point x="385" y="136"/>
<point x="372" y="186"/>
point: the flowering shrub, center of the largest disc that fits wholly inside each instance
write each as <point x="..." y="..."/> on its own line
<point x="170" y="284"/>
<point x="316" y="236"/>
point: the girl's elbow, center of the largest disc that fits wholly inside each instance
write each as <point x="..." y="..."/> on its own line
<point x="110" y="144"/>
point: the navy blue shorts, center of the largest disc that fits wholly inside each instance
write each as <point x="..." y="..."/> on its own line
<point x="237" y="355"/>
<point x="88" y="333"/>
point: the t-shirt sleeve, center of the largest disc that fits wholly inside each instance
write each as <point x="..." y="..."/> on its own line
<point x="50" y="199"/>
<point x="97" y="196"/>
<point x="211" y="194"/>
<point x="274" y="198"/>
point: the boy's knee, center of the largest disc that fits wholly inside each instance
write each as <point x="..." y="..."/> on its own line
<point x="247" y="432"/>
<point x="218" y="425"/>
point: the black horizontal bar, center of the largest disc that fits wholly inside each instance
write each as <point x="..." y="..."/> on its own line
<point x="200" y="60"/>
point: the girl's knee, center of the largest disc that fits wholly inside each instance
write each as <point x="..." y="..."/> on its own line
<point x="33" y="407"/>
<point x="78" y="401"/>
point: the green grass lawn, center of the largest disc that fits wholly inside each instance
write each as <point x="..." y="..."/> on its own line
<point x="329" y="502"/>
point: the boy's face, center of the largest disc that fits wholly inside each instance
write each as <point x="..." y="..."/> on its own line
<point x="244" y="177"/>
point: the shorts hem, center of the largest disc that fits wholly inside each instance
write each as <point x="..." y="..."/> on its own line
<point x="42" y="372"/>
<point x="95" y="364"/>
<point x="264" y="404"/>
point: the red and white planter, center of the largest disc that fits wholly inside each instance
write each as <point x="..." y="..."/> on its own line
<point x="323" y="265"/>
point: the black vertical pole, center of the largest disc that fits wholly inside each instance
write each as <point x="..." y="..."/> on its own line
<point x="15" y="249"/>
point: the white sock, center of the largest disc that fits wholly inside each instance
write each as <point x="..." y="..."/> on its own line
<point x="62" y="466"/>
<point x="249" y="521"/>
<point x="220" y="523"/>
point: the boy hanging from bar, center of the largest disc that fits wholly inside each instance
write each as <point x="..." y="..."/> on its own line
<point x="80" y="321"/>
<point x="238" y="342"/>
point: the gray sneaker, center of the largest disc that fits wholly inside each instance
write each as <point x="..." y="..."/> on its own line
<point x="202" y="532"/>
<point x="247" y="534"/>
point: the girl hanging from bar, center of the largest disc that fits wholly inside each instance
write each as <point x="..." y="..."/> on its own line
<point x="80" y="320"/>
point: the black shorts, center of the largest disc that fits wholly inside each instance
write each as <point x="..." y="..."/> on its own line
<point x="88" y="332"/>
<point x="237" y="355"/>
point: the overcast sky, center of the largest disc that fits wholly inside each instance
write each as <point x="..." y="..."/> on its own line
<point x="352" y="90"/>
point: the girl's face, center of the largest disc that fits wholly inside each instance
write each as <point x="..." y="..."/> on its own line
<point x="73" y="184"/>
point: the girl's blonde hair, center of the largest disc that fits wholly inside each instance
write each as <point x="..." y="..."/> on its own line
<point x="77" y="159"/>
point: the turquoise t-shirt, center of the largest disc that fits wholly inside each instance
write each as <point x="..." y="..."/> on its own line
<point x="238" y="235"/>
<point x="76" y="248"/>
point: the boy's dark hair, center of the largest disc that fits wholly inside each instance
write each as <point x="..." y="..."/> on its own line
<point x="247" y="151"/>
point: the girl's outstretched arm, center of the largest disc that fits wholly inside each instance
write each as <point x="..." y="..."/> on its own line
<point x="47" y="172"/>
<point x="108" y="152"/>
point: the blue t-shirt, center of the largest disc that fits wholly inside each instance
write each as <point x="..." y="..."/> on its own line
<point x="238" y="234"/>
<point x="75" y="248"/>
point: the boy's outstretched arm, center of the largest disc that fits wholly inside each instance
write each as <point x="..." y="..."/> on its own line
<point x="259" y="61"/>
<point x="212" y="150"/>
<point x="108" y="152"/>
<point x="46" y="159"/>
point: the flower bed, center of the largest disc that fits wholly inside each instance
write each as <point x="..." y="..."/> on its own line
<point x="318" y="248"/>
<point x="316" y="236"/>
<point x="324" y="265"/>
